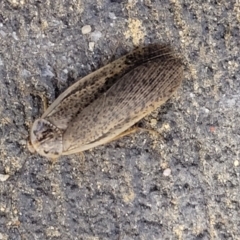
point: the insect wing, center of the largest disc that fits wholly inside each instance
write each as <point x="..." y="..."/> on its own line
<point x="131" y="98"/>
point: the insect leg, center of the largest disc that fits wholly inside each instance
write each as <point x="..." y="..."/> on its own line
<point x="42" y="96"/>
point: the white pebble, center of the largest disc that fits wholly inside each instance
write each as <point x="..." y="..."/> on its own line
<point x="91" y="46"/>
<point x="236" y="163"/>
<point x="4" y="177"/>
<point x="65" y="71"/>
<point x="15" y="36"/>
<point x="112" y="15"/>
<point x="167" y="172"/>
<point x="86" y="29"/>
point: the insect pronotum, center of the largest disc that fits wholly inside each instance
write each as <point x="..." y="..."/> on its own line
<point x="104" y="104"/>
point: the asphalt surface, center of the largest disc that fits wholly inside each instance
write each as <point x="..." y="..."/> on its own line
<point x="181" y="184"/>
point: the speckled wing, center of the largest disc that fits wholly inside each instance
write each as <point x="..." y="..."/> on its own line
<point x="91" y="87"/>
<point x="131" y="98"/>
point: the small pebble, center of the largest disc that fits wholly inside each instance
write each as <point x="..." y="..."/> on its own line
<point x="86" y="29"/>
<point x="95" y="36"/>
<point x="91" y="46"/>
<point x="65" y="71"/>
<point x="236" y="163"/>
<point x="153" y="122"/>
<point x="167" y="172"/>
<point x="112" y="15"/>
<point x="4" y="177"/>
<point x="15" y="36"/>
<point x="166" y="126"/>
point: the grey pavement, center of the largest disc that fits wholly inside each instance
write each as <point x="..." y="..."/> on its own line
<point x="181" y="184"/>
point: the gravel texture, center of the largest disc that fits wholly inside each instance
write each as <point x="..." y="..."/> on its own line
<point x="181" y="184"/>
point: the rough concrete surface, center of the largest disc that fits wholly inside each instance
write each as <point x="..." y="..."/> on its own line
<point x="181" y="184"/>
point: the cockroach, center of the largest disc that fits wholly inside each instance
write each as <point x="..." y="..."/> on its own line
<point x="102" y="106"/>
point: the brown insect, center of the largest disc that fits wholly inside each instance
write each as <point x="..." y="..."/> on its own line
<point x="102" y="106"/>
